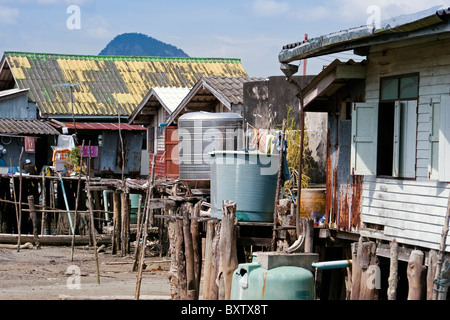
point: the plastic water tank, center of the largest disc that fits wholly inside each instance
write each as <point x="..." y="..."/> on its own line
<point x="249" y="179"/>
<point x="202" y="132"/>
<point x="252" y="282"/>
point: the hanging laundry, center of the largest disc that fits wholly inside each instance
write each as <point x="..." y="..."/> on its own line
<point x="30" y="145"/>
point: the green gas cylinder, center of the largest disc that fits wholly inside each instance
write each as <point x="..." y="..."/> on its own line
<point x="253" y="282"/>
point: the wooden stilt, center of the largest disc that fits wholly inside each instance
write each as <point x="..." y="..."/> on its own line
<point x="356" y="269"/>
<point x="19" y="225"/>
<point x="44" y="202"/>
<point x="227" y="245"/>
<point x="215" y="260"/>
<point x="77" y="199"/>
<point x="124" y="235"/>
<point x="369" y="277"/>
<point x="116" y="222"/>
<point x="189" y="252"/>
<point x="431" y="272"/>
<point x="197" y="247"/>
<point x="416" y="275"/>
<point x="393" y="272"/>
<point x="210" y="234"/>
<point x="34" y="221"/>
<point x="181" y="259"/>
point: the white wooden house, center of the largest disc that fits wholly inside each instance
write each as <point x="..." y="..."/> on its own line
<point x="388" y="169"/>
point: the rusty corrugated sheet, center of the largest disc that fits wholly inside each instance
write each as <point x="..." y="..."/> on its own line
<point x="106" y="83"/>
<point x="343" y="189"/>
<point x="103" y="126"/>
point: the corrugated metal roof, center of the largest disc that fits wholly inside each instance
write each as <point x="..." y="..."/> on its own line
<point x="354" y="37"/>
<point x="208" y="90"/>
<point x="35" y="127"/>
<point x="106" y="83"/>
<point x="103" y="126"/>
<point x="170" y="98"/>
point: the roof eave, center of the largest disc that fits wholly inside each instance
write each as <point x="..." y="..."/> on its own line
<point x="355" y="38"/>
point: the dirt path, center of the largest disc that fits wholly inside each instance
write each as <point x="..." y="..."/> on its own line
<point x="49" y="274"/>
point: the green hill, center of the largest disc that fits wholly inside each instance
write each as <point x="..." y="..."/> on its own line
<point x="138" y="44"/>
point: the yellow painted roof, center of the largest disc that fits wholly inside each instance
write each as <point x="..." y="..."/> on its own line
<point x="101" y="85"/>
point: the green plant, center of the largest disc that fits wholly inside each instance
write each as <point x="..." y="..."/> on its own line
<point x="293" y="139"/>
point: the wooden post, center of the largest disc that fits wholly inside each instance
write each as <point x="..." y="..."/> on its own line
<point x="138" y="235"/>
<point x="443" y="280"/>
<point x="173" y="277"/>
<point x="393" y="272"/>
<point x="77" y="199"/>
<point x="442" y="246"/>
<point x="431" y="272"/>
<point x="189" y="252"/>
<point x="356" y="269"/>
<point x="91" y="216"/>
<point x="308" y="233"/>
<point x="370" y="272"/>
<point x="125" y="230"/>
<point x="210" y="233"/>
<point x="300" y="163"/>
<point x="116" y="222"/>
<point x="145" y="232"/>
<point x="19" y="224"/>
<point x="215" y="260"/>
<point x="181" y="259"/>
<point x="197" y="247"/>
<point x="44" y="202"/>
<point x="277" y="192"/>
<point x="227" y="245"/>
<point x="34" y="221"/>
<point x="415" y="273"/>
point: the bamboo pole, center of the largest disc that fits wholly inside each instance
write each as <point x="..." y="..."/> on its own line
<point x="145" y="232"/>
<point x="277" y="192"/>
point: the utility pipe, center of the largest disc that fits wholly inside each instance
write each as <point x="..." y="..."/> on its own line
<point x="325" y="265"/>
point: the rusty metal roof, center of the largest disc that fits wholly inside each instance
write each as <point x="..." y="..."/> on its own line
<point x="104" y="83"/>
<point x="103" y="126"/>
<point x="35" y="127"/>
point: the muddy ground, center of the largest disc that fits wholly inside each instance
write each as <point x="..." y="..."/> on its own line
<point x="49" y="274"/>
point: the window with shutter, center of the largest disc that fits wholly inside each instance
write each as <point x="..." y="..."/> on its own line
<point x="433" y="165"/>
<point x="384" y="135"/>
<point x="364" y="138"/>
<point x="444" y="139"/>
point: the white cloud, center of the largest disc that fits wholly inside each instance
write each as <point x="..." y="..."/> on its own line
<point x="8" y="15"/>
<point x="269" y="8"/>
<point x="97" y="27"/>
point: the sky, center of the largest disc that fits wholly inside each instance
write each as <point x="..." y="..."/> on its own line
<point x="251" y="30"/>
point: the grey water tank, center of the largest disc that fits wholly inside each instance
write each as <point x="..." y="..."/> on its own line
<point x="249" y="179"/>
<point x="200" y="133"/>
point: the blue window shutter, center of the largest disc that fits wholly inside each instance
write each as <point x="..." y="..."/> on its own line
<point x="444" y="140"/>
<point x="396" y="151"/>
<point x="364" y="138"/>
<point x="408" y="137"/>
<point x="433" y="165"/>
